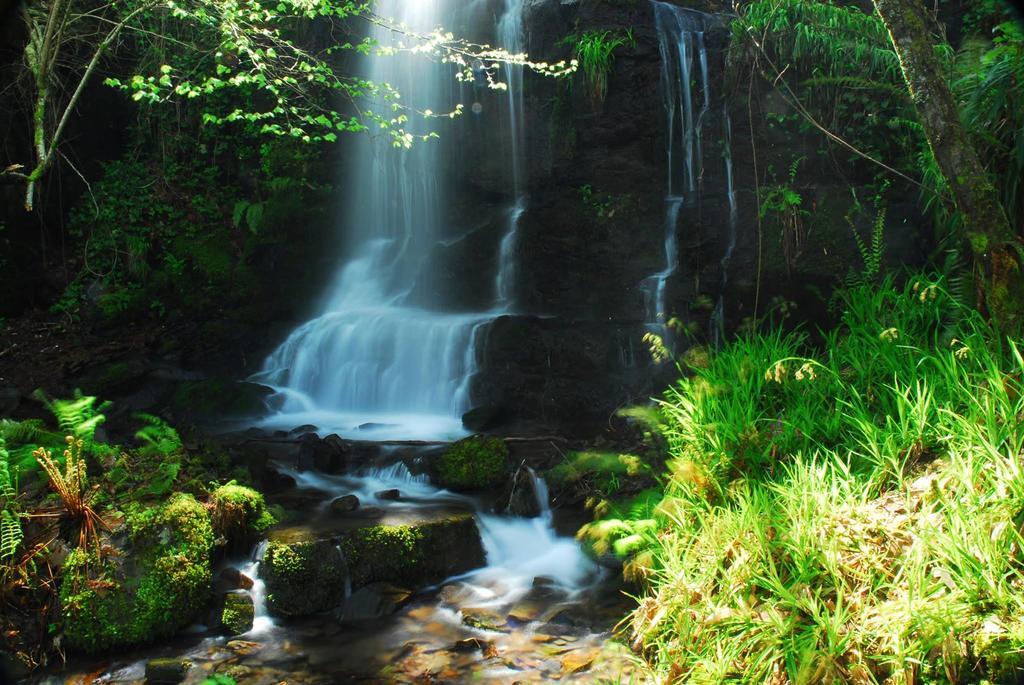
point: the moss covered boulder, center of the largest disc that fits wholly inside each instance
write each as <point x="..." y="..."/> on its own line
<point x="240" y="515"/>
<point x="474" y="463"/>
<point x="415" y="554"/>
<point x="303" y="577"/>
<point x="238" y="613"/>
<point x="154" y="587"/>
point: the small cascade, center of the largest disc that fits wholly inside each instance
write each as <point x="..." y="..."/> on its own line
<point x="717" y="331"/>
<point x="385" y="349"/>
<point x="687" y="98"/>
<point x="511" y="37"/>
<point x="261" y="622"/>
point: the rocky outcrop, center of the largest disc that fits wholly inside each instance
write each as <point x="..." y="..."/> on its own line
<point x="413" y="555"/>
<point x="303" y="577"/>
<point x="306" y="570"/>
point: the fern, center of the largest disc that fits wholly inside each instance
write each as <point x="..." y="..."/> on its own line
<point x="26" y="432"/>
<point x="156" y="431"/>
<point x="11" y="534"/>
<point x="79" y="416"/>
<point x="7" y="488"/>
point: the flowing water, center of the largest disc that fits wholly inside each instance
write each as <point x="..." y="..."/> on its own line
<point x="372" y="360"/>
<point x="687" y="99"/>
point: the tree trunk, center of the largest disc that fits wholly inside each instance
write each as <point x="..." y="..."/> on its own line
<point x="995" y="247"/>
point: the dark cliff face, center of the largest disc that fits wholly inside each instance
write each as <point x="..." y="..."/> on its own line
<point x="594" y="224"/>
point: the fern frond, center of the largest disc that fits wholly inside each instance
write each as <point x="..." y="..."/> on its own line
<point x="79" y="416"/>
<point x="11" y="534"/>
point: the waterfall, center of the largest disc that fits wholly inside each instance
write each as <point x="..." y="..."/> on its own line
<point x="687" y="98"/>
<point x="718" y="316"/>
<point x="372" y="360"/>
<point x="511" y="37"/>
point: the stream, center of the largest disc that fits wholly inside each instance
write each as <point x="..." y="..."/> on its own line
<point x="539" y="610"/>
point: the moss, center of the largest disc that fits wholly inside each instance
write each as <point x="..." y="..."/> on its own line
<point x="157" y="586"/>
<point x="239" y="514"/>
<point x="474" y="463"/>
<point x="302" y="578"/>
<point x="415" y="554"/>
<point x="238" y="613"/>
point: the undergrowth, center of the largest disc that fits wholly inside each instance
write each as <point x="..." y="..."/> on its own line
<point x="845" y="514"/>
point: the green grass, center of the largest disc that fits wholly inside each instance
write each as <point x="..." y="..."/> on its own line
<point x="849" y="514"/>
<point x="595" y="51"/>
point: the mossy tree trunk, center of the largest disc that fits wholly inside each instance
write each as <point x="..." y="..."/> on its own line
<point x="995" y="247"/>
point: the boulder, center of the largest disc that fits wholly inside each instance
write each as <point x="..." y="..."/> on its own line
<point x="344" y="504"/>
<point x="166" y="671"/>
<point x="519" y="496"/>
<point x="237" y="615"/>
<point x="157" y="584"/>
<point x="415" y="554"/>
<point x="302" y="577"/>
<point x="236" y="578"/>
<point x="392" y="495"/>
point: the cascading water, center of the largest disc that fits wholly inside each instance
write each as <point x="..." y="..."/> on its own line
<point x="684" y="83"/>
<point x="717" y="324"/>
<point x="511" y="37"/>
<point x="372" y="361"/>
<point x="372" y="358"/>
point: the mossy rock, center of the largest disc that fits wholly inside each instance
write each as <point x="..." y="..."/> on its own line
<point x="238" y="613"/>
<point x="240" y="515"/>
<point x="304" y="577"/>
<point x="413" y="555"/>
<point x="159" y="584"/>
<point x="474" y="463"/>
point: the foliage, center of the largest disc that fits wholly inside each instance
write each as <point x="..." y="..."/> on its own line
<point x="103" y="609"/>
<point x="846" y="514"/>
<point x="79" y="416"/>
<point x="73" y="489"/>
<point x="473" y="463"/>
<point x="11" y="533"/>
<point x="239" y="514"/>
<point x="595" y="52"/>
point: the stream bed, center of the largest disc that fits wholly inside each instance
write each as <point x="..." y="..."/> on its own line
<point x="539" y="610"/>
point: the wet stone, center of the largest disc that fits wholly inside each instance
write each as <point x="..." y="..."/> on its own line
<point x="238" y="613"/>
<point x="345" y="504"/>
<point x="236" y="578"/>
<point x="373" y="601"/>
<point x="482" y="619"/>
<point x="392" y="495"/>
<point x="166" y="671"/>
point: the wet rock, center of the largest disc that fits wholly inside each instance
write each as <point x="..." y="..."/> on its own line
<point x="166" y="671"/>
<point x="482" y="619"/>
<point x="345" y="504"/>
<point x="336" y="443"/>
<point x="303" y="577"/>
<point x="237" y="615"/>
<point x="236" y="578"/>
<point x="415" y="554"/>
<point x="392" y="495"/>
<point x="373" y="601"/>
<point x="482" y="419"/>
<point x="578" y="661"/>
<point x="475" y="644"/>
<point x="300" y="430"/>
<point x="519" y="496"/>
